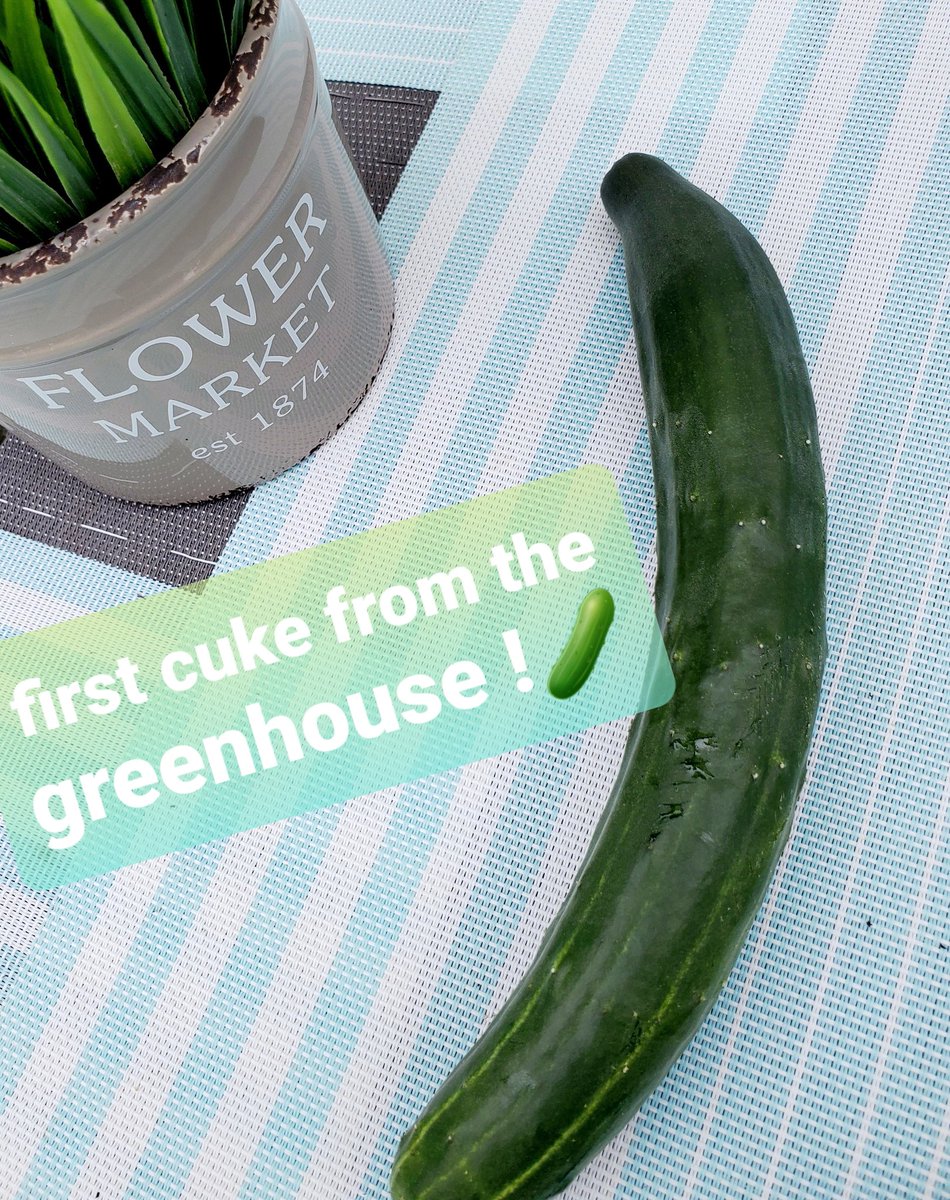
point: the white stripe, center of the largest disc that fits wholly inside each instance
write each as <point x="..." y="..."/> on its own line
<point x="362" y="22"/>
<point x="364" y="1097"/>
<point x="897" y="999"/>
<point x="581" y="281"/>
<point x="739" y="96"/>
<point x="208" y="562"/>
<point x="601" y="1177"/>
<point x="228" y="1147"/>
<point x="775" y="891"/>
<point x="937" y="1162"/>
<point x="865" y="284"/>
<point x="26" y="609"/>
<point x="137" y="1102"/>
<point x="326" y="51"/>
<point x="105" y="532"/>
<point x="817" y="134"/>
<point x="844" y="904"/>
<point x="59" y="1046"/>
<point x="326" y="479"/>
<point x="500" y="270"/>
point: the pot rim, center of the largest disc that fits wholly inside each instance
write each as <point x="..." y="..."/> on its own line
<point x="161" y="182"/>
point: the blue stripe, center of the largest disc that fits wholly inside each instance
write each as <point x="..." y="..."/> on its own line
<point x="361" y="494"/>
<point x="574" y="413"/>
<point x="701" y="88"/>
<point x="70" y="577"/>
<point x="33" y="994"/>
<point x="825" y="251"/>
<point x="492" y="394"/>
<point x="385" y="34"/>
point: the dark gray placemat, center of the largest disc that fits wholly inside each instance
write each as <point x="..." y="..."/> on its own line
<point x="181" y="545"/>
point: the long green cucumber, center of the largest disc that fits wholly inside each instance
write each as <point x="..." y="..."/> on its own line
<point x="704" y="798"/>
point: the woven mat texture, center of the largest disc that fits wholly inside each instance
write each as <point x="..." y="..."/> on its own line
<point x="263" y="1017"/>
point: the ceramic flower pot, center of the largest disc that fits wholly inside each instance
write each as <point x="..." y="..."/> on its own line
<point x="224" y="316"/>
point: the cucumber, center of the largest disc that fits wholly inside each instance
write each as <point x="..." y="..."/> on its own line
<point x="579" y="657"/>
<point x="703" y="802"/>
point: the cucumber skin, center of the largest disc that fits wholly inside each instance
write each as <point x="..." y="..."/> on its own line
<point x="703" y="801"/>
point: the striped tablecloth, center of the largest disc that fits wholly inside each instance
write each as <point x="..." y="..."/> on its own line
<point x="263" y="1017"/>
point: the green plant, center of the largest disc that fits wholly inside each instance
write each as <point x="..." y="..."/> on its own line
<point x="703" y="802"/>
<point x="93" y="93"/>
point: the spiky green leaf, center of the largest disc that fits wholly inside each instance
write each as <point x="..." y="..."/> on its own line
<point x="240" y="15"/>
<point x="211" y="33"/>
<point x="30" y="201"/>
<point x="109" y="117"/>
<point x="133" y="28"/>
<point x="12" y="233"/>
<point x="71" y="166"/>
<point x="23" y="38"/>
<point x="99" y="88"/>
<point x="151" y="102"/>
<point x="180" y="53"/>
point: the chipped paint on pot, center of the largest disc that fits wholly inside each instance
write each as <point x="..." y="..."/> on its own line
<point x="224" y="316"/>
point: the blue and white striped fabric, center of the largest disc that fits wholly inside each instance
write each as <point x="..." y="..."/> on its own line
<point x="263" y="1017"/>
<point x="389" y="41"/>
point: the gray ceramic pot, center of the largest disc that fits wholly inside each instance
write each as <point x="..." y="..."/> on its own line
<point x="223" y="317"/>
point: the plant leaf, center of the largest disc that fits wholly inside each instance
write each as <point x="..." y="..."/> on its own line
<point x="189" y="14"/>
<point x="15" y="134"/>
<point x="133" y="27"/>
<point x="30" y="201"/>
<point x="151" y="102"/>
<point x="59" y="59"/>
<point x="240" y="16"/>
<point x="11" y="233"/>
<point x="7" y="247"/>
<point x="210" y="35"/>
<point x="72" y="167"/>
<point x="179" y="52"/>
<point x="110" y="120"/>
<point x="23" y="37"/>
<point x="7" y="231"/>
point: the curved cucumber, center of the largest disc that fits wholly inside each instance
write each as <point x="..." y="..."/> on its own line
<point x="579" y="657"/>
<point x="703" y="802"/>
